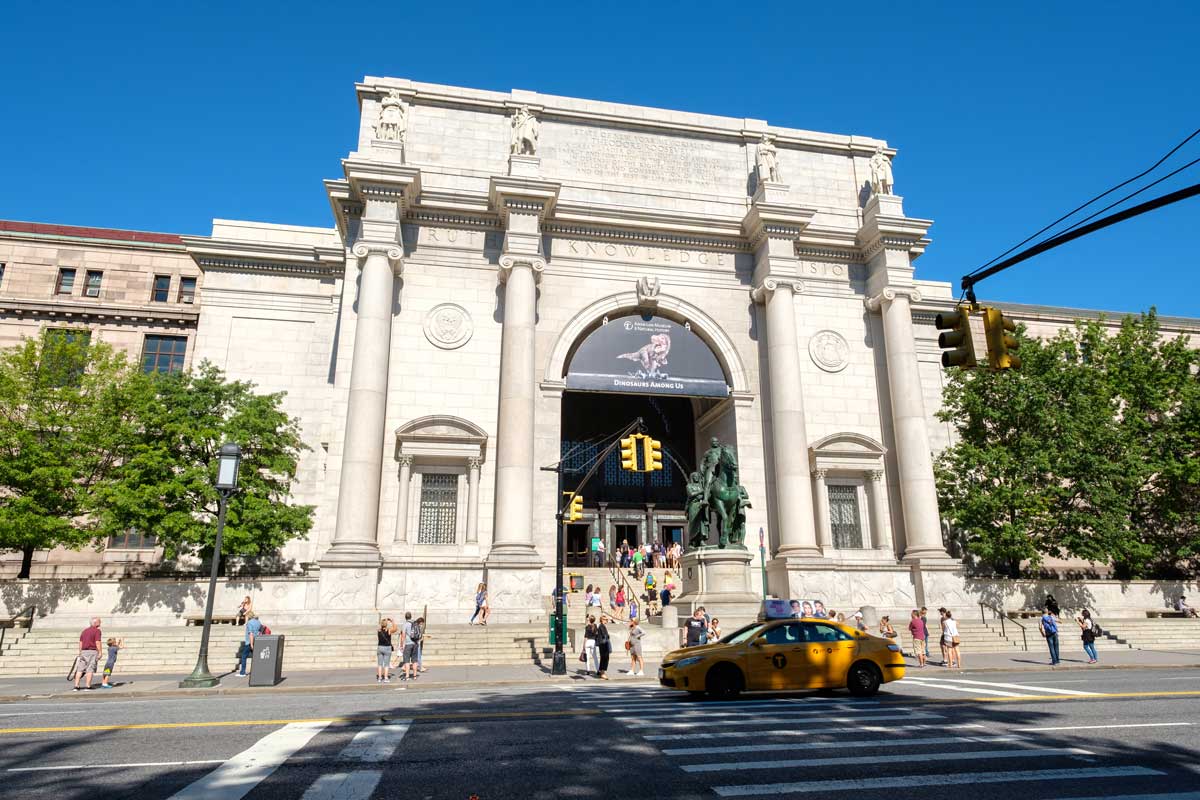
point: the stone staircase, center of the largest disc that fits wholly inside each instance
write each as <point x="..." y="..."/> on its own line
<point x="1152" y="634"/>
<point x="48" y="651"/>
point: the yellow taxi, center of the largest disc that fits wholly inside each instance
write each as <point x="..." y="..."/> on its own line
<point x="785" y="655"/>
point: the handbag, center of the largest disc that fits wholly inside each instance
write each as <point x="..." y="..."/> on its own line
<point x="583" y="657"/>
<point x="954" y="641"/>
<point x="628" y="645"/>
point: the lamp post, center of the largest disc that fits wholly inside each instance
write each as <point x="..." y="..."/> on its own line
<point x="228" y="462"/>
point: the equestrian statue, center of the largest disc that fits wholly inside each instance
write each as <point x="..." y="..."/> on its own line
<point x="715" y="499"/>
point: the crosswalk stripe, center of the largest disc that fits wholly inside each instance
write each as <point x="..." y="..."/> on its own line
<point x="969" y="755"/>
<point x="840" y="743"/>
<point x="693" y="706"/>
<point x="1008" y="686"/>
<point x="889" y="729"/>
<point x="685" y="719"/>
<point x="698" y="732"/>
<point x="789" y="719"/>
<point x="376" y="743"/>
<point x="236" y="777"/>
<point x="1169" y="796"/>
<point x="962" y="688"/>
<point x="357" y="785"/>
<point x="937" y="779"/>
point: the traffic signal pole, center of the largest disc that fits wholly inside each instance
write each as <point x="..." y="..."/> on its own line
<point x="558" y="665"/>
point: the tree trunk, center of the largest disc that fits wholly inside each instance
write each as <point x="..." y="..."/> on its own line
<point x="26" y="562"/>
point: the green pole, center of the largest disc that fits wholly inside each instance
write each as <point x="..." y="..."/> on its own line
<point x="762" y="559"/>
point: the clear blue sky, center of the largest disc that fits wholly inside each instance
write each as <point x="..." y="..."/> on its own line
<point x="160" y="116"/>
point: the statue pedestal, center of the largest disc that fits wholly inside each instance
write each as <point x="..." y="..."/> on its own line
<point x="520" y="166"/>
<point x="719" y="580"/>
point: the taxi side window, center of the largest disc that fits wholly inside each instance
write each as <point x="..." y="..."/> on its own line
<point x="784" y="634"/>
<point x="825" y="633"/>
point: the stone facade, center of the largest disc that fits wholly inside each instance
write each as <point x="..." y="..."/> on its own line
<point x="424" y="340"/>
<point x="112" y="294"/>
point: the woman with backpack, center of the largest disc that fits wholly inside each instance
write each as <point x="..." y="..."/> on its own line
<point x="1088" y="630"/>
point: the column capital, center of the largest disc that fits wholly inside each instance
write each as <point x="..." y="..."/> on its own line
<point x="509" y="262"/>
<point x="820" y="474"/>
<point x="768" y="286"/>
<point x="875" y="475"/>
<point x="390" y="250"/>
<point x="405" y="460"/>
<point x="474" y="462"/>
<point x="891" y="293"/>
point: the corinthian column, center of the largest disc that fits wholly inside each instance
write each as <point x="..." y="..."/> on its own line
<point x="793" y="486"/>
<point x="914" y="459"/>
<point x="512" y="532"/>
<point x="355" y="537"/>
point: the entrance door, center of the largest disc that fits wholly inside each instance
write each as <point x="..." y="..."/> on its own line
<point x="625" y="533"/>
<point x="672" y="534"/>
<point x="579" y="545"/>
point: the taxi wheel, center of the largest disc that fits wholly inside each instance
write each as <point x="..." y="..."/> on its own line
<point x="724" y="681"/>
<point x="863" y="679"/>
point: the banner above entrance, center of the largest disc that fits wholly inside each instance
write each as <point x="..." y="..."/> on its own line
<point x="646" y="355"/>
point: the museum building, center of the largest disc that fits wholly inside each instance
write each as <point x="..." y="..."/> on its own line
<point x="511" y="278"/>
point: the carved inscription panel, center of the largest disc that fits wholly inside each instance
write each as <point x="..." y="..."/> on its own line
<point x="627" y="157"/>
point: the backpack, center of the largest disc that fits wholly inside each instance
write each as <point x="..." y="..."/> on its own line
<point x="1096" y="630"/>
<point x="414" y="634"/>
<point x="265" y="631"/>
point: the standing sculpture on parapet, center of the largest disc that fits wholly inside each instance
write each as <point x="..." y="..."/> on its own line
<point x="881" y="173"/>
<point x="715" y="490"/>
<point x="767" y="161"/>
<point x="524" y="133"/>
<point x="393" y="118"/>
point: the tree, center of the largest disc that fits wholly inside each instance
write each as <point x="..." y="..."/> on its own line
<point x="67" y="415"/>
<point x="165" y="486"/>
<point x="1090" y="450"/>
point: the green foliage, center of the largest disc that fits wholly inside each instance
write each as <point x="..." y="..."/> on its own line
<point x="165" y="485"/>
<point x="1091" y="450"/>
<point x="67" y="416"/>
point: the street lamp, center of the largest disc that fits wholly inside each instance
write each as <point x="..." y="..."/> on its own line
<point x="229" y="461"/>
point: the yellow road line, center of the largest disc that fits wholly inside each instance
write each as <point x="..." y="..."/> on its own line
<point x="464" y="717"/>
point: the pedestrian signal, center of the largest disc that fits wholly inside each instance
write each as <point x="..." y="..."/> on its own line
<point x="629" y="450"/>
<point x="1001" y="340"/>
<point x="653" y="454"/>
<point x="956" y="343"/>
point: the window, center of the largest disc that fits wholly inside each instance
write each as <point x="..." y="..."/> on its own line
<point x="439" y="508"/>
<point x="92" y="286"/>
<point x="844" y="518"/>
<point x="162" y="288"/>
<point x="1" y="272"/>
<point x="66" y="281"/>
<point x="187" y="290"/>
<point x="163" y="353"/>
<point x="816" y="632"/>
<point x="132" y="539"/>
<point x="785" y="634"/>
<point x="64" y="356"/>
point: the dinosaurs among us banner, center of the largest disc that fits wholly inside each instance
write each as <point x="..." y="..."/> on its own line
<point x="646" y="355"/>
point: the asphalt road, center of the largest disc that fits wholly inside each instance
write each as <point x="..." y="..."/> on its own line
<point x="1039" y="735"/>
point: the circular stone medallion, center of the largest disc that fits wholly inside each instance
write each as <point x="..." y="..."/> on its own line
<point x="448" y="326"/>
<point x="828" y="350"/>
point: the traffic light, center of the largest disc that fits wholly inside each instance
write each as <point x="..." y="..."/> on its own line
<point x="1001" y="340"/>
<point x="575" y="510"/>
<point x="653" y="454"/>
<point x="629" y="452"/>
<point x="956" y="341"/>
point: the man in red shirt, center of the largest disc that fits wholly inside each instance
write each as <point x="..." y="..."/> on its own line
<point x="89" y="652"/>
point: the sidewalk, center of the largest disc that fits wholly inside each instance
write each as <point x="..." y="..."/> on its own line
<point x="310" y="681"/>
<point x="1039" y="659"/>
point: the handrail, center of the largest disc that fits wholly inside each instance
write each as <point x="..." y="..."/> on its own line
<point x="12" y="623"/>
<point x="618" y="574"/>
<point x="1002" y="616"/>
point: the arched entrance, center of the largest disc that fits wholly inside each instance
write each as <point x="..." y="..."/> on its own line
<point x="629" y="364"/>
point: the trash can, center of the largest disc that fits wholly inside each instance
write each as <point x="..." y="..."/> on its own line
<point x="576" y="582"/>
<point x="266" y="664"/>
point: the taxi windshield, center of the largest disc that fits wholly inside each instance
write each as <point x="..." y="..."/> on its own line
<point x="743" y="634"/>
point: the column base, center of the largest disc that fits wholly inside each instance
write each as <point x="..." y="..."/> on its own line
<point x="351" y="554"/>
<point x="933" y="557"/>
<point x="514" y="554"/>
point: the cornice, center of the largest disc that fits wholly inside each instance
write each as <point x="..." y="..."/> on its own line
<point x="531" y="195"/>
<point x="98" y="313"/>
<point x="43" y="239"/>
<point x="775" y="221"/>
<point x="655" y="238"/>
<point x="259" y="256"/>
<point x="382" y="180"/>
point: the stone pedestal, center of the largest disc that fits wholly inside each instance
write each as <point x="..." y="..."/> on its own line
<point x="520" y="166"/>
<point x="720" y="580"/>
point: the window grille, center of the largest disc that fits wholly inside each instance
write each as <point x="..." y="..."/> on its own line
<point x="439" y="508"/>
<point x="844" y="518"/>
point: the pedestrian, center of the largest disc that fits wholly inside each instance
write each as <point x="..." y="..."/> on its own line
<point x="651" y="587"/>
<point x="634" y="610"/>
<point x="638" y="561"/>
<point x="412" y="649"/>
<point x="859" y="624"/>
<point x="591" y="657"/>
<point x="1087" y="629"/>
<point x="1183" y="608"/>
<point x="612" y="596"/>
<point x="664" y="597"/>
<point x="624" y="554"/>
<point x="714" y="630"/>
<point x="694" y="629"/>
<point x="925" y="623"/>
<point x="254" y="627"/>
<point x="244" y="610"/>
<point x="603" y="646"/>
<point x="383" y="650"/>
<point x="950" y="641"/>
<point x="1049" y="627"/>
<point x="637" y="665"/>
<point x="885" y="627"/>
<point x="114" y="647"/>
<point x="600" y="553"/>
<point x="942" y="636"/>
<point x="480" y="605"/>
<point x="89" y="653"/>
<point x="620" y="597"/>
<point x="840" y="617"/>
<point x="920" y="636"/>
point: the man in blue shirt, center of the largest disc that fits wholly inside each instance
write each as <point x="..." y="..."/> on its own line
<point x="1050" y="631"/>
<point x="254" y="627"/>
